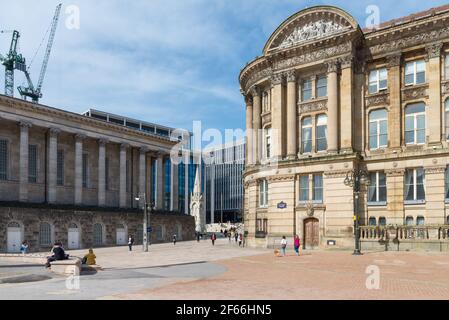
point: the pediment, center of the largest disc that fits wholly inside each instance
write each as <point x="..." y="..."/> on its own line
<point x="310" y="25"/>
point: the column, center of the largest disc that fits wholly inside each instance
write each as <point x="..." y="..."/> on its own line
<point x="52" y="164"/>
<point x="257" y="123"/>
<point x="291" y="116"/>
<point x="395" y="196"/>
<point x="160" y="182"/>
<point x="174" y="187"/>
<point x="212" y="193"/>
<point x="142" y="176"/>
<point x="277" y="116"/>
<point x="186" y="183"/>
<point x="435" y="193"/>
<point x="149" y="175"/>
<point x="249" y="130"/>
<point x="23" y="161"/>
<point x="122" y="191"/>
<point x="394" y="88"/>
<point x="79" y="168"/>
<point x="434" y="108"/>
<point x="102" y="172"/>
<point x="346" y="102"/>
<point x="332" y="106"/>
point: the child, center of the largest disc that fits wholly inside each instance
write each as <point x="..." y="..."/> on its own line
<point x="89" y="258"/>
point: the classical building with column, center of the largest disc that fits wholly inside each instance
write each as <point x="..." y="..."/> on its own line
<point x="75" y="178"/>
<point x="327" y="97"/>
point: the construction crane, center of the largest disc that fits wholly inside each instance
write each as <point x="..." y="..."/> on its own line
<point x="35" y="93"/>
<point x="12" y="61"/>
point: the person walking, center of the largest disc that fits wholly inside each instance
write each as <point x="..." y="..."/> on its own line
<point x="283" y="245"/>
<point x="130" y="242"/>
<point x="240" y="239"/>
<point x="297" y="245"/>
<point x="174" y="239"/>
<point x="213" y="237"/>
<point x="229" y="236"/>
<point x="24" y="247"/>
<point x="198" y="237"/>
<point x="236" y="237"/>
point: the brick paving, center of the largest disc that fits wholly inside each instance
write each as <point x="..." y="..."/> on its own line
<point x="316" y="275"/>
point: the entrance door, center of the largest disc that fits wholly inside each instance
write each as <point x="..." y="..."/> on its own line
<point x="74" y="237"/>
<point x="14" y="235"/>
<point x="311" y="233"/>
<point x="121" y="236"/>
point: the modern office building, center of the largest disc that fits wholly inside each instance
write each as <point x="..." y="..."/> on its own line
<point x="223" y="169"/>
<point x="329" y="100"/>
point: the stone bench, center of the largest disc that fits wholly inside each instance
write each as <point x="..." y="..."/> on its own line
<point x="33" y="258"/>
<point x="71" y="266"/>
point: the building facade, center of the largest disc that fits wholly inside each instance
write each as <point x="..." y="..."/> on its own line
<point x="327" y="97"/>
<point x="223" y="179"/>
<point x="82" y="169"/>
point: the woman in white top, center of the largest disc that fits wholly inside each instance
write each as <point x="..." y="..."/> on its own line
<point x="283" y="245"/>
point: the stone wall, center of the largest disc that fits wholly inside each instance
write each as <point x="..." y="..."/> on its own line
<point x="30" y="219"/>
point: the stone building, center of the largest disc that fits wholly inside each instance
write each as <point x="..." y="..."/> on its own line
<point x="86" y="173"/>
<point x="327" y="97"/>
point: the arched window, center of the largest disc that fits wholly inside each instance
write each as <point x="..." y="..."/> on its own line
<point x="178" y="231"/>
<point x="98" y="234"/>
<point x="420" y="221"/>
<point x="306" y="135"/>
<point x="160" y="233"/>
<point x="268" y="143"/>
<point x="139" y="233"/>
<point x="321" y="133"/>
<point x="409" y="221"/>
<point x="446" y="117"/>
<point x="378" y="129"/>
<point x="382" y="221"/>
<point x="372" y="221"/>
<point x="45" y="234"/>
<point x="415" y="123"/>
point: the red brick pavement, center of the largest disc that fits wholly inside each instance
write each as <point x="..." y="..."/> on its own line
<point x="317" y="275"/>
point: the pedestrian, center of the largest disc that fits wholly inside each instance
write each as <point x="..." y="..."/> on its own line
<point x="130" y="242"/>
<point x="174" y="239"/>
<point x="24" y="247"/>
<point x="283" y="245"/>
<point x="213" y="238"/>
<point x="226" y="233"/>
<point x="236" y="237"/>
<point x="198" y="237"/>
<point x="240" y="239"/>
<point x="297" y="245"/>
<point x="229" y="236"/>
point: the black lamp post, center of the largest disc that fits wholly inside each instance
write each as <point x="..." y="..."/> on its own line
<point x="146" y="221"/>
<point x="355" y="179"/>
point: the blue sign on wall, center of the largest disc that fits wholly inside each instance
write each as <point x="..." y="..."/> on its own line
<point x="149" y="229"/>
<point x="282" y="205"/>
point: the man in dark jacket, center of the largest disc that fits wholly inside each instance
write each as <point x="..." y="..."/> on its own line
<point x="58" y="254"/>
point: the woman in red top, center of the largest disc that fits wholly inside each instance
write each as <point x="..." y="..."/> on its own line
<point x="297" y="244"/>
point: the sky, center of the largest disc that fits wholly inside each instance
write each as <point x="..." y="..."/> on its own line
<point x="169" y="62"/>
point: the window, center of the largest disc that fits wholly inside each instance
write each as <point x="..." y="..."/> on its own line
<point x="106" y="173"/>
<point x="414" y="185"/>
<point x="415" y="123"/>
<point x="306" y="135"/>
<point x="420" y="221"/>
<point x="60" y="168"/>
<point x="32" y="163"/>
<point x="304" y="188"/>
<point x="446" y="67"/>
<point x="372" y="222"/>
<point x="446" y="118"/>
<point x="378" y="129"/>
<point x="321" y="133"/>
<point x="382" y="221"/>
<point x="446" y="179"/>
<point x="85" y="170"/>
<point x="409" y="221"/>
<point x="139" y="233"/>
<point x="265" y="102"/>
<point x="45" y="234"/>
<point x="263" y="194"/>
<point x="262" y="226"/>
<point x="98" y="234"/>
<point x="378" y="80"/>
<point x="415" y="72"/>
<point x="160" y="233"/>
<point x="3" y="160"/>
<point x="377" y="190"/>
<point x="306" y="90"/>
<point x="268" y="143"/>
<point x="317" y="188"/>
<point x="321" y="86"/>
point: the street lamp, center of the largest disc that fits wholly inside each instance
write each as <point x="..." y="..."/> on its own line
<point x="146" y="221"/>
<point x="355" y="179"/>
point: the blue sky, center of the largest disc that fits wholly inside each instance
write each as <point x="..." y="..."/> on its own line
<point x="170" y="61"/>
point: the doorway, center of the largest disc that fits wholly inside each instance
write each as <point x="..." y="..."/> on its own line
<point x="121" y="235"/>
<point x="14" y="236"/>
<point x="311" y="233"/>
<point x="74" y="237"/>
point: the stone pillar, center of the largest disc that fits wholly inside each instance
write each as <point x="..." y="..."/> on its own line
<point x="160" y="182"/>
<point x="102" y="172"/>
<point x="186" y="184"/>
<point x="291" y="116"/>
<point x="257" y="124"/>
<point x="249" y="130"/>
<point x="395" y="196"/>
<point x="277" y="116"/>
<point x="122" y="191"/>
<point x="174" y="187"/>
<point x="142" y="176"/>
<point x="394" y="87"/>
<point x="434" y="108"/>
<point x="79" y="168"/>
<point x="212" y="194"/>
<point x="23" y="161"/>
<point x="52" y="163"/>
<point x="149" y="175"/>
<point x="346" y="103"/>
<point x="435" y="193"/>
<point x="332" y="107"/>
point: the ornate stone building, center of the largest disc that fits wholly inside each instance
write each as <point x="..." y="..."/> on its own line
<point x="327" y="97"/>
<point x="85" y="174"/>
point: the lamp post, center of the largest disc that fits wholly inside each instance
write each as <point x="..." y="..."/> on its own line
<point x="146" y="221"/>
<point x="355" y="179"/>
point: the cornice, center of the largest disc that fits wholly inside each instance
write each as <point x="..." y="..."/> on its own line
<point x="279" y="178"/>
